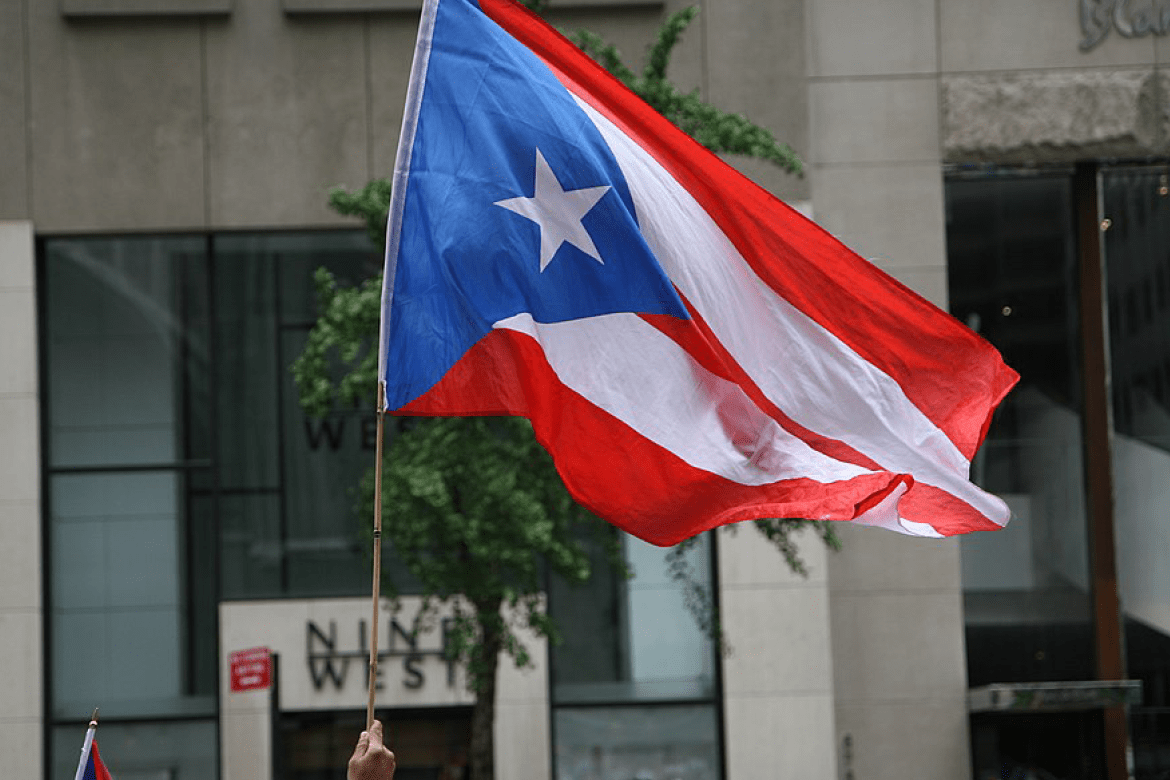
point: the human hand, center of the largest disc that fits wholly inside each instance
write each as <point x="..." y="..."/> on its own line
<point x="371" y="760"/>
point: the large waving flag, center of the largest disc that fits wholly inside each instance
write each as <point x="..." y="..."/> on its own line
<point x="691" y="351"/>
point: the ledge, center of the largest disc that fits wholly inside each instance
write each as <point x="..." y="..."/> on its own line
<point x="82" y="8"/>
<point x="364" y="6"/>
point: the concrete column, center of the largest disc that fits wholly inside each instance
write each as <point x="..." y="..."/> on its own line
<point x="778" y="680"/>
<point x="20" y="508"/>
<point x="896" y="605"/>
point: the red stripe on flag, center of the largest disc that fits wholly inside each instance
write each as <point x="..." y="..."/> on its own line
<point x="614" y="471"/>
<point x="94" y="768"/>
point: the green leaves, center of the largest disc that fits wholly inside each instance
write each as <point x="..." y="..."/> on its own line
<point x="720" y="131"/>
<point x="475" y="508"/>
<point x="339" y="364"/>
<point x="371" y="203"/>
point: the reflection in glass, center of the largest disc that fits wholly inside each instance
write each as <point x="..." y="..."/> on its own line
<point x="184" y="750"/>
<point x="1137" y="256"/>
<point x="118" y="347"/>
<point x="131" y="589"/>
<point x="287" y="483"/>
<point x="1013" y="278"/>
<point x="631" y="640"/>
<point x="600" y="743"/>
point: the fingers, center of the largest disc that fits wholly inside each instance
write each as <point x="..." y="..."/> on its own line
<point x="371" y="759"/>
<point x="375" y="735"/>
<point x="363" y="743"/>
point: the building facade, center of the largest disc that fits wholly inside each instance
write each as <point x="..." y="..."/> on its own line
<point x="164" y="505"/>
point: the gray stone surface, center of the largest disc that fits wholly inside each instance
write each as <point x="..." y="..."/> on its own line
<point x="391" y="52"/>
<point x="116" y="115"/>
<point x="999" y="35"/>
<point x="13" y="137"/>
<point x="891" y="214"/>
<point x="17" y="269"/>
<point x="342" y="6"/>
<point x="1052" y="116"/>
<point x="141" y="7"/>
<point x="777" y="702"/>
<point x="287" y="116"/>
<point x="850" y="39"/>
<point x="874" y="120"/>
<point x="631" y="30"/>
<point x="895" y="740"/>
<point x="755" y="66"/>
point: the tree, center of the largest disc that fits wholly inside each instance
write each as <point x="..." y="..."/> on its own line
<point x="474" y="506"/>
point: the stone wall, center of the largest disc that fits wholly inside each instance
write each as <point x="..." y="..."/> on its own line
<point x="1055" y="116"/>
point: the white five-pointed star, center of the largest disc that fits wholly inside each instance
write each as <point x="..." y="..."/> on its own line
<point x="558" y="212"/>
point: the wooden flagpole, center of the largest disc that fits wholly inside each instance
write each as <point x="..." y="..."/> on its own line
<point x="377" y="587"/>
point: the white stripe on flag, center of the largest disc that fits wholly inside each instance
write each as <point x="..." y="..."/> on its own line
<point x="628" y="368"/>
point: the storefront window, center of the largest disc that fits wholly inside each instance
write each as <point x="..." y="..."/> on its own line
<point x="287" y="482"/>
<point x="1137" y="258"/>
<point x="124" y="363"/>
<point x="633" y="681"/>
<point x="181" y="470"/>
<point x="131" y="574"/>
<point x="1012" y="268"/>
<point x="1011" y="250"/>
<point x="598" y="743"/>
<point x="170" y="750"/>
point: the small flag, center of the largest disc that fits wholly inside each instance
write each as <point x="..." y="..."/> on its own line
<point x="689" y="349"/>
<point x="91" y="767"/>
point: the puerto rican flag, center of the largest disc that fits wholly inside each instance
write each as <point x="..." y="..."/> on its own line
<point x="691" y="350"/>
<point x="91" y="766"/>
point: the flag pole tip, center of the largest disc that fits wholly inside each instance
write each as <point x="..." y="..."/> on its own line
<point x="93" y="718"/>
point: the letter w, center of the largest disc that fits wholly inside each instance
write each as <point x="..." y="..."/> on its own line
<point x="321" y="665"/>
<point x="326" y="428"/>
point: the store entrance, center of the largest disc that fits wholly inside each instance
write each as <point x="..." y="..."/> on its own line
<point x="430" y="744"/>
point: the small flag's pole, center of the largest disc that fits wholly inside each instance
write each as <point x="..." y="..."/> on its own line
<point x="377" y="552"/>
<point x="85" y="746"/>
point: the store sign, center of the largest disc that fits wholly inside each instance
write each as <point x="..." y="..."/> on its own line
<point x="330" y="656"/>
<point x="1131" y="19"/>
<point x="251" y="670"/>
<point x="323" y="646"/>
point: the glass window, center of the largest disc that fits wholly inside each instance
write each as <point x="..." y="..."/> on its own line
<point x="181" y="469"/>
<point x="119" y="347"/>
<point x="599" y="743"/>
<point x="126" y="562"/>
<point x="184" y="750"/>
<point x="632" y="640"/>
<point x="1137" y="264"/>
<point x="1013" y="278"/>
<point x="287" y="482"/>
<point x="633" y="681"/>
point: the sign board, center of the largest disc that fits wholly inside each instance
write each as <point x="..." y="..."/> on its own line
<point x="1054" y="696"/>
<point x="323" y="646"/>
<point x="251" y="670"/>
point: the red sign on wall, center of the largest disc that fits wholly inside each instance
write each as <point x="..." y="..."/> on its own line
<point x="251" y="669"/>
